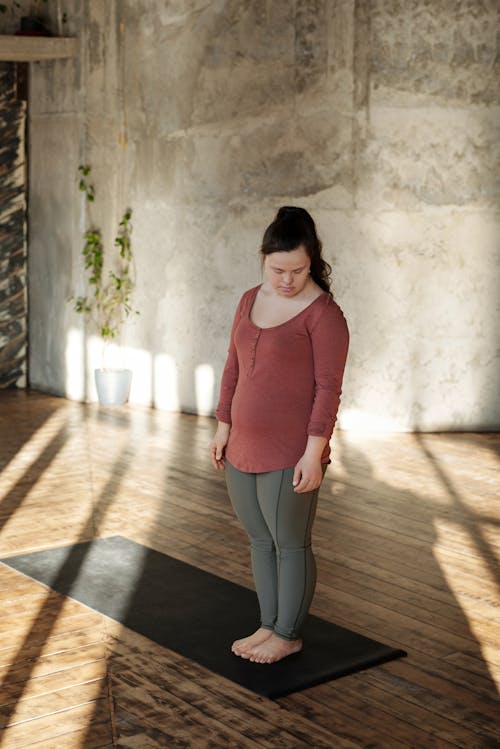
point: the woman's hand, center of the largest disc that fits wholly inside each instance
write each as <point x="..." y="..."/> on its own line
<point x="308" y="473"/>
<point x="218" y="444"/>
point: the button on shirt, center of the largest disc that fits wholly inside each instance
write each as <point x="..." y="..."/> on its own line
<point x="281" y="384"/>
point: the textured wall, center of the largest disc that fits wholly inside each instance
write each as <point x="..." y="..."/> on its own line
<point x="13" y="281"/>
<point x="380" y="117"/>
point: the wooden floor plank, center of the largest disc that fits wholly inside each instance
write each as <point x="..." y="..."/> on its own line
<point x="52" y="645"/>
<point x="12" y="693"/>
<point x="405" y="716"/>
<point x="46" y="614"/>
<point x="94" y="736"/>
<point x="48" y="664"/>
<point x="53" y="726"/>
<point x="54" y="702"/>
<point x="369" y="724"/>
<point x="29" y="633"/>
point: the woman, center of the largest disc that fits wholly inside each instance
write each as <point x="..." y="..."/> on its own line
<point x="279" y="397"/>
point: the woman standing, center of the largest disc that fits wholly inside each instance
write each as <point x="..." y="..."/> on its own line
<point x="279" y="397"/>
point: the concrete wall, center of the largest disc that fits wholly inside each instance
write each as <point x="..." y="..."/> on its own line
<point x="382" y="118"/>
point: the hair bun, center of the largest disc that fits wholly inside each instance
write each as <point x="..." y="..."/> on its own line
<point x="288" y="210"/>
<point x="294" y="211"/>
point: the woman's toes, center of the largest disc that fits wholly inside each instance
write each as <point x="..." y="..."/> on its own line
<point x="274" y="649"/>
<point x="246" y="654"/>
<point x="244" y="645"/>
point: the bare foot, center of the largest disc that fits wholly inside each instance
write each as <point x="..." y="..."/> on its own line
<point x="241" y="647"/>
<point x="274" y="649"/>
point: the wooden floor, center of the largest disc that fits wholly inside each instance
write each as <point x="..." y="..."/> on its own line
<point x="407" y="543"/>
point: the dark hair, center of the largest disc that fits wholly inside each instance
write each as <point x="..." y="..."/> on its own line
<point x="292" y="227"/>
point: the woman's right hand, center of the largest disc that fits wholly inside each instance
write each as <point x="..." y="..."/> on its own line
<point x="218" y="444"/>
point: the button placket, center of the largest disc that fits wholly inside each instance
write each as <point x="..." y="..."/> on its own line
<point x="254" y="348"/>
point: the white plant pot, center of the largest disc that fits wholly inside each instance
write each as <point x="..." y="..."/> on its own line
<point x="113" y="386"/>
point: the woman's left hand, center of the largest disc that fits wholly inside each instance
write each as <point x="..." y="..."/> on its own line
<point x="308" y="474"/>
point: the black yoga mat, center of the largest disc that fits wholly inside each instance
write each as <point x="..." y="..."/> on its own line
<point x="194" y="613"/>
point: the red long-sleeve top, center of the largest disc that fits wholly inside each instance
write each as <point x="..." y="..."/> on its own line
<point x="281" y="384"/>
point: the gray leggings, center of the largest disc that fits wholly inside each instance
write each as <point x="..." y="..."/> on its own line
<point x="278" y="522"/>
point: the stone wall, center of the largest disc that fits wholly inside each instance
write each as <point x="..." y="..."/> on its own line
<point x="13" y="295"/>
<point x="380" y="117"/>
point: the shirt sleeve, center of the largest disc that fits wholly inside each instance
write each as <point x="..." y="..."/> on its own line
<point x="330" y="344"/>
<point x="230" y="373"/>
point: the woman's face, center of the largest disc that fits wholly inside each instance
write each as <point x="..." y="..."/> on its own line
<point x="287" y="272"/>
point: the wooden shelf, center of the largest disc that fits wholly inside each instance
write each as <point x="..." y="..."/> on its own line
<point x="30" y="48"/>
